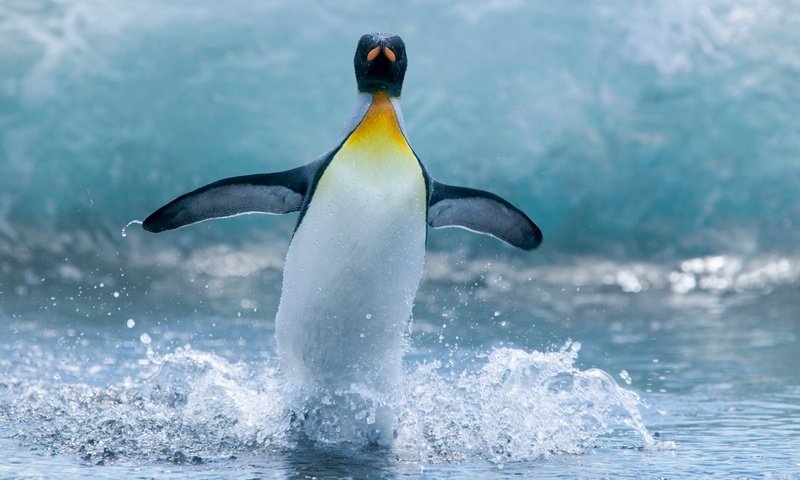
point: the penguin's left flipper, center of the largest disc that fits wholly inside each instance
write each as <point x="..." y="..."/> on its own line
<point x="273" y="193"/>
<point x="481" y="212"/>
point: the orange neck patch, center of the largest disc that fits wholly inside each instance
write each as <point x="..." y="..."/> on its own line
<point x="375" y="161"/>
<point x="379" y="128"/>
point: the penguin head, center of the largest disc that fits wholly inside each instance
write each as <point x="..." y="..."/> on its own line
<point x="380" y="63"/>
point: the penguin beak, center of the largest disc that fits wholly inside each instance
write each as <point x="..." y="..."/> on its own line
<point x="388" y="52"/>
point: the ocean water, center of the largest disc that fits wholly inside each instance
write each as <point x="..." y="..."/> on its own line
<point x="655" y="334"/>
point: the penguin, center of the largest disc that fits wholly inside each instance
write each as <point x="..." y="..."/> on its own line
<point x="356" y="257"/>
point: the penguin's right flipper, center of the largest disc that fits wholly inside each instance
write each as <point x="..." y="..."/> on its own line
<point x="272" y="193"/>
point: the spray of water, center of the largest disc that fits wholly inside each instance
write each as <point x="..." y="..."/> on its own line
<point x="192" y="406"/>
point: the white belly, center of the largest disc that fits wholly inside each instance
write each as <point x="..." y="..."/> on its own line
<point x="351" y="275"/>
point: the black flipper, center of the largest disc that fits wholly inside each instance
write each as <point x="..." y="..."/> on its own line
<point x="481" y="212"/>
<point x="273" y="193"/>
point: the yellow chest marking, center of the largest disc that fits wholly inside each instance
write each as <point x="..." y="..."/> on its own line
<point x="377" y="147"/>
<point x="378" y="127"/>
<point x="375" y="170"/>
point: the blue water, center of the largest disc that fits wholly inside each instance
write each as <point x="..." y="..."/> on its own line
<point x="654" y="334"/>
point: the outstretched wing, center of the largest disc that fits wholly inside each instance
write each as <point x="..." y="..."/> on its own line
<point x="481" y="212"/>
<point x="271" y="193"/>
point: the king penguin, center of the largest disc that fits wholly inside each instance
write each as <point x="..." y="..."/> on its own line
<point x="355" y="261"/>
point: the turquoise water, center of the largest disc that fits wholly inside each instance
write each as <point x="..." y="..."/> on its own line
<point x="654" y="334"/>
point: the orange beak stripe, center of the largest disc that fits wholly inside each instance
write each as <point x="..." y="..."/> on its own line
<point x="373" y="54"/>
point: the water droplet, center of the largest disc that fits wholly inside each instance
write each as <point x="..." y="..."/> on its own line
<point x="145" y="338"/>
<point x="624" y="375"/>
<point x="125" y="228"/>
<point x="369" y="315"/>
<point x="130" y="323"/>
<point x="116" y="294"/>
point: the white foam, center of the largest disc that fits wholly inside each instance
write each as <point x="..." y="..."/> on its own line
<point x="517" y="405"/>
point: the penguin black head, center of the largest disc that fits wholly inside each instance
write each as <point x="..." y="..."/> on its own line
<point x="380" y="63"/>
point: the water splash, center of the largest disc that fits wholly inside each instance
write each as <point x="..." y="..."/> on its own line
<point x="519" y="406"/>
<point x="190" y="406"/>
<point x="124" y="231"/>
<point x="186" y="405"/>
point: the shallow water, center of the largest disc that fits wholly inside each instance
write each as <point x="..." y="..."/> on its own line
<point x="654" y="334"/>
<point x="663" y="383"/>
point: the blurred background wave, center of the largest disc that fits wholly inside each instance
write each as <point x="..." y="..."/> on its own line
<point x="646" y="131"/>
